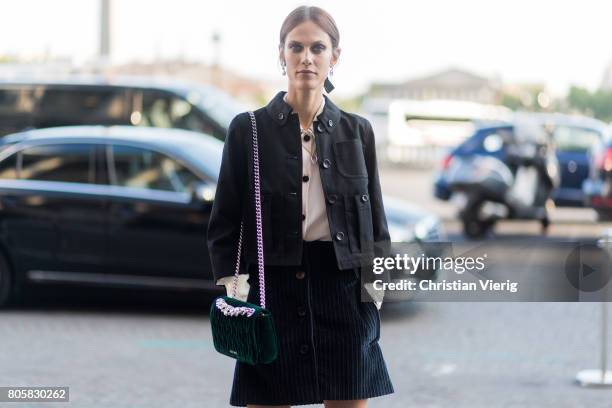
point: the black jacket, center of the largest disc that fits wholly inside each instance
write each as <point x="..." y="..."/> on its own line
<point x="349" y="176"/>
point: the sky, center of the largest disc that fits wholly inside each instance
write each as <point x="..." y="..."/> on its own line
<point x="558" y="43"/>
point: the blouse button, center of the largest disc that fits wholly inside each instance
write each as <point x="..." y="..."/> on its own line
<point x="305" y="179"/>
<point x="306" y="138"/>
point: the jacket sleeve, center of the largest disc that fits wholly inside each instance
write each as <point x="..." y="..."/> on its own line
<point x="382" y="239"/>
<point x="226" y="214"/>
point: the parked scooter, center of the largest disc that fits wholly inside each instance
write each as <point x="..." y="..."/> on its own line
<point x="517" y="186"/>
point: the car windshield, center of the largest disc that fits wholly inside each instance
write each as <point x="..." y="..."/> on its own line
<point x="575" y="139"/>
<point x="217" y="104"/>
<point x="205" y="155"/>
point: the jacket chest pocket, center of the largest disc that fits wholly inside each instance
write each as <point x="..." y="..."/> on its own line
<point x="349" y="158"/>
<point x="359" y="222"/>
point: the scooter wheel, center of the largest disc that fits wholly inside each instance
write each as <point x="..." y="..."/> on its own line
<point x="474" y="228"/>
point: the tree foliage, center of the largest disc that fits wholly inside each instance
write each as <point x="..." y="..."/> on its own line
<point x="597" y="104"/>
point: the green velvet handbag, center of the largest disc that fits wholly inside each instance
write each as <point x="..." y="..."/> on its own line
<point x="243" y="330"/>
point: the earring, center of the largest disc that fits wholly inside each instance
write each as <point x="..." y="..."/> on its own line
<point x="284" y="71"/>
<point x="331" y="70"/>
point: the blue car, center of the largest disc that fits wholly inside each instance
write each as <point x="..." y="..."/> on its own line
<point x="573" y="137"/>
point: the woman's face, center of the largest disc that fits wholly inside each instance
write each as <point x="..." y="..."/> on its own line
<point x="308" y="55"/>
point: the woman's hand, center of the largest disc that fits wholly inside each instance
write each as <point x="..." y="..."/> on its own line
<point x="242" y="286"/>
<point x="376" y="295"/>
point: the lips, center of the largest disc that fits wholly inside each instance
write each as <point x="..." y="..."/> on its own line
<point x="306" y="72"/>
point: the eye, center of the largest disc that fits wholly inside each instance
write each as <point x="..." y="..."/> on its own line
<point x="318" y="48"/>
<point x="295" y="47"/>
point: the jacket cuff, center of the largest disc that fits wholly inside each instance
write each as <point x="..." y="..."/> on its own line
<point x="242" y="286"/>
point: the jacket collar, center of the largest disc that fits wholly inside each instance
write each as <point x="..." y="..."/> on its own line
<point x="280" y="110"/>
<point x="319" y="111"/>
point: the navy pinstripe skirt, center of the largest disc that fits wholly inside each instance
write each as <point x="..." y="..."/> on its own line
<point x="327" y="338"/>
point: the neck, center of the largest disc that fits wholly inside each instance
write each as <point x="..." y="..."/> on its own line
<point x="305" y="103"/>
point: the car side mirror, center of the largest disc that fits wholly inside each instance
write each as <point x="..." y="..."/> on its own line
<point x="202" y="192"/>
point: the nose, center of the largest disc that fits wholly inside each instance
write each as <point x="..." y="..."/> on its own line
<point x="307" y="58"/>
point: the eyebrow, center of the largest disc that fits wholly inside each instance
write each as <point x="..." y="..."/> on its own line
<point x="294" y="42"/>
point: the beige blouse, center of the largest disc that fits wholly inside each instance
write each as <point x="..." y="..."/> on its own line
<point x="315" y="225"/>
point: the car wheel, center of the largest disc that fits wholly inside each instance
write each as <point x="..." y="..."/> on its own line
<point x="6" y="282"/>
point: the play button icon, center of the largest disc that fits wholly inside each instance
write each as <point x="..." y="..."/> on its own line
<point x="588" y="267"/>
<point x="587" y="270"/>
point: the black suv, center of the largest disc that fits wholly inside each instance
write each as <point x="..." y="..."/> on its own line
<point x="131" y="101"/>
<point x="113" y="206"/>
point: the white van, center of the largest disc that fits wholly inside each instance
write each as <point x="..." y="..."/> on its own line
<point x="419" y="132"/>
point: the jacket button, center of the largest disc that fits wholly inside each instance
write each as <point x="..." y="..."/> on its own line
<point x="281" y="116"/>
<point x="331" y="199"/>
<point x="364" y="198"/>
<point x="304" y="349"/>
<point x="330" y="123"/>
<point x="339" y="236"/>
<point x="292" y="194"/>
<point x="306" y="138"/>
<point x="293" y="233"/>
<point x="300" y="274"/>
<point x="301" y="311"/>
<point x="320" y="128"/>
<point x="305" y="179"/>
<point x="326" y="163"/>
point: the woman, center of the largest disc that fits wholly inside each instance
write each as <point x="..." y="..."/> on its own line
<point x="322" y="218"/>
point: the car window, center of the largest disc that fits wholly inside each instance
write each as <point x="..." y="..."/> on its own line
<point x="160" y="109"/>
<point x="575" y="139"/>
<point x="71" y="162"/>
<point x="142" y="168"/>
<point x="8" y="167"/>
<point x="82" y="106"/>
<point x="16" y="107"/>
